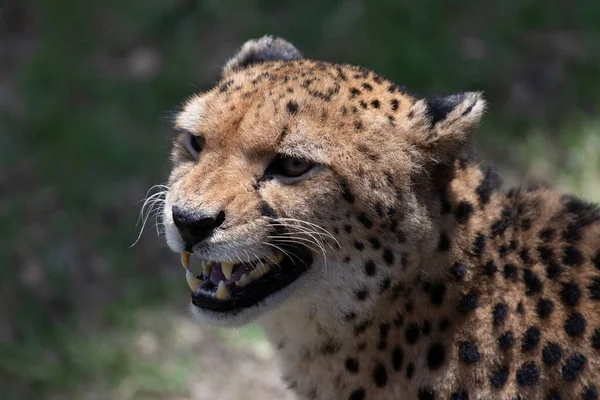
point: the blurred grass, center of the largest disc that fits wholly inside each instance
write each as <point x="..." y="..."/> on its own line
<point x="86" y="89"/>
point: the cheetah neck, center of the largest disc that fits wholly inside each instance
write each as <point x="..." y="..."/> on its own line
<point x="311" y="331"/>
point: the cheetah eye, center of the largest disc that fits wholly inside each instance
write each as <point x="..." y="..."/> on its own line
<point x="194" y="145"/>
<point x="290" y="167"/>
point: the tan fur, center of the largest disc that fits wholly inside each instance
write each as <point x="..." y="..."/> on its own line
<point x="429" y="246"/>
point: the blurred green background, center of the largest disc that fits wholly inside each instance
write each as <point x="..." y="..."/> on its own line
<point x="86" y="91"/>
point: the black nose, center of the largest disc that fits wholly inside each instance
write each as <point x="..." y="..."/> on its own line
<point x="194" y="225"/>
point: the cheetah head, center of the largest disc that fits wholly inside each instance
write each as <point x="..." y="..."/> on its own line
<point x="294" y="181"/>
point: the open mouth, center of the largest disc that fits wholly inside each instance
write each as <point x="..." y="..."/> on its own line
<point x="226" y="287"/>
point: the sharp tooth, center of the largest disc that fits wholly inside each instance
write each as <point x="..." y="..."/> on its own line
<point x="192" y="282"/>
<point x="279" y="257"/>
<point x="222" y="293"/>
<point x="243" y="281"/>
<point x="207" y="267"/>
<point x="257" y="273"/>
<point x="227" y="269"/>
<point x="185" y="259"/>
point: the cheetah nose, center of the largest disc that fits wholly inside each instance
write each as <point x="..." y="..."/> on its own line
<point x="196" y="225"/>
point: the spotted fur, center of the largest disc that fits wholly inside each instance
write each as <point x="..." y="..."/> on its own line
<point x="444" y="285"/>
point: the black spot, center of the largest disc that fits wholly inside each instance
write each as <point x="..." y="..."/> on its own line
<point x="436" y="356"/>
<point x="544" y="308"/>
<point x="329" y="347"/>
<point x="499" y="377"/>
<point x="510" y="271"/>
<point x="554" y="270"/>
<point x="357" y="394"/>
<point x="573" y="367"/>
<point x="572" y="257"/>
<point x="346" y="192"/>
<point x="375" y="243"/>
<point x="410" y="370"/>
<point x="358" y="126"/>
<point x="292" y="107"/>
<point x="499" y="313"/>
<point x="375" y="104"/>
<point x="506" y="341"/>
<point x="364" y="219"/>
<point x="354" y="92"/>
<point x="367" y="86"/>
<point x="363" y="326"/>
<point x="489" y="268"/>
<point x="437" y="294"/>
<point x="531" y="339"/>
<point x="488" y="185"/>
<point x="350" y="316"/>
<point x="385" y="284"/>
<point x="459" y="271"/>
<point x="362" y="104"/>
<point x="575" y="324"/>
<point x="520" y="308"/>
<point x="551" y="354"/>
<point x="397" y="358"/>
<point x="362" y="294"/>
<point x="590" y="392"/>
<point x="412" y="333"/>
<point x="468" y="302"/>
<point x="426" y="327"/>
<point x="463" y="211"/>
<point x="380" y="375"/>
<point x="370" y="268"/>
<point x="468" y="352"/>
<point x="570" y="293"/>
<point x="267" y="211"/>
<point x="388" y="256"/>
<point x="525" y="257"/>
<point x="426" y="393"/>
<point x="528" y="375"/>
<point x="444" y="242"/>
<point x="352" y="365"/>
<point x="459" y="395"/>
<point x="596" y="339"/>
<point x="594" y="288"/>
<point x="394" y="103"/>
<point x="359" y="245"/>
<point x="444" y="325"/>
<point x="553" y="395"/>
<point x="479" y="244"/>
<point x="547" y="234"/>
<point x="502" y="224"/>
<point x="596" y="260"/>
<point x="532" y="282"/>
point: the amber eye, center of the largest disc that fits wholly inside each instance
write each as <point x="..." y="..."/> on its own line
<point x="194" y="144"/>
<point x="289" y="167"/>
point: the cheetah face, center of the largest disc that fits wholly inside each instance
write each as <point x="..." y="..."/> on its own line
<point x="245" y="203"/>
<point x="274" y="166"/>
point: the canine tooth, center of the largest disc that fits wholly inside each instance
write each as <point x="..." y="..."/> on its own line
<point x="227" y="269"/>
<point x="243" y="281"/>
<point x="222" y="293"/>
<point x="207" y="267"/>
<point x="192" y="282"/>
<point x="279" y="257"/>
<point x="257" y="273"/>
<point x="185" y="259"/>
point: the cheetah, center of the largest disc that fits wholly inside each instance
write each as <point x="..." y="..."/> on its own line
<point x="351" y="220"/>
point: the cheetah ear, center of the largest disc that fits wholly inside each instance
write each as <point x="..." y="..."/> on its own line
<point x="443" y="126"/>
<point x="267" y="48"/>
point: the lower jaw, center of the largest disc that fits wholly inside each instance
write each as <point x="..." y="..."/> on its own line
<point x="256" y="293"/>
